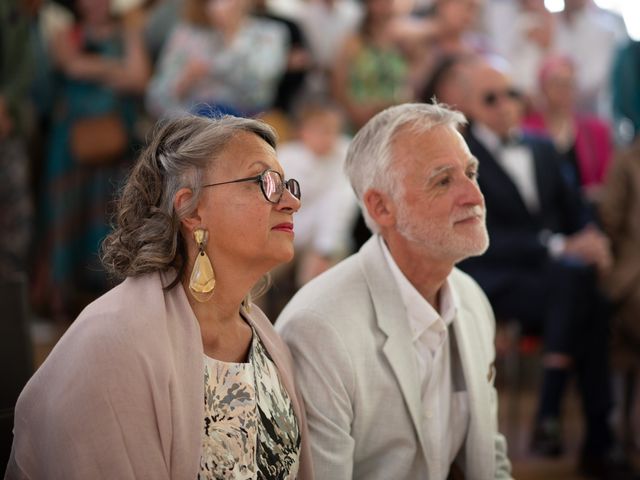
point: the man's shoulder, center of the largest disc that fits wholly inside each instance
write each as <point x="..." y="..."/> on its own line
<point x="336" y="284"/>
<point x="331" y="296"/>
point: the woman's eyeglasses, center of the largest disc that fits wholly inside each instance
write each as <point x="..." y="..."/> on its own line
<point x="271" y="184"/>
<point x="491" y="97"/>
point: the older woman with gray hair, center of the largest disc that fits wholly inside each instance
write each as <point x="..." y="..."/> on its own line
<point x="174" y="373"/>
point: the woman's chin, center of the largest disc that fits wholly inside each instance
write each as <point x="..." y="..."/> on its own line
<point x="281" y="257"/>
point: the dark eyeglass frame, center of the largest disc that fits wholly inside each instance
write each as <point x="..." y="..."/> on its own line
<point x="292" y="185"/>
<point x="490" y="98"/>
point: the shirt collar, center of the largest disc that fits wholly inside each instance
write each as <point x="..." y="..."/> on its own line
<point x="492" y="141"/>
<point x="420" y="313"/>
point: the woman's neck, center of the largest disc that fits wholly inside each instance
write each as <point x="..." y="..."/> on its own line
<point x="557" y="113"/>
<point x="221" y="308"/>
<point x="226" y="336"/>
<point x="560" y="125"/>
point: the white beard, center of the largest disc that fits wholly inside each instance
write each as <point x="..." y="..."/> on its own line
<point x="443" y="241"/>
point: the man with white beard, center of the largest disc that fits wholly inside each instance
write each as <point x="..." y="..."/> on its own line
<point x="394" y="346"/>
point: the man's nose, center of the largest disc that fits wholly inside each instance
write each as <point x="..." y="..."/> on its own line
<point x="472" y="195"/>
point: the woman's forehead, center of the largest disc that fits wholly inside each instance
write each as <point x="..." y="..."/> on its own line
<point x="247" y="151"/>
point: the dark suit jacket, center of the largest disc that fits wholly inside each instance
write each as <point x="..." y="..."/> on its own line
<point x="515" y="231"/>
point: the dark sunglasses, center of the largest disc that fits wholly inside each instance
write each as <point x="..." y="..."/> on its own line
<point x="491" y="97"/>
<point x="271" y="184"/>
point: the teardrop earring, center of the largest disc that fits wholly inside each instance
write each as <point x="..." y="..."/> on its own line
<point x="202" y="280"/>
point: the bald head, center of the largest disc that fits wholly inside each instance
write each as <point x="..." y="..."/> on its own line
<point x="491" y="98"/>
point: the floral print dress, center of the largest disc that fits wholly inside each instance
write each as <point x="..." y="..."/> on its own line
<point x="250" y="430"/>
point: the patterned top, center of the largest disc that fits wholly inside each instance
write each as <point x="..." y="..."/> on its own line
<point x="378" y="75"/>
<point x="242" y="75"/>
<point x="250" y="429"/>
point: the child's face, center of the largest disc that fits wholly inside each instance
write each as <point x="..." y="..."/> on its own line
<point x="320" y="132"/>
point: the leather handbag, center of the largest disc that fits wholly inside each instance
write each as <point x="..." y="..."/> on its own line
<point x="99" y="140"/>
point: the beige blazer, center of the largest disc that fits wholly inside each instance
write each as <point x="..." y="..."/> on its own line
<point x="121" y="394"/>
<point x="351" y="343"/>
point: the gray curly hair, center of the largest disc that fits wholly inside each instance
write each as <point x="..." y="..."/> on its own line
<point x="146" y="237"/>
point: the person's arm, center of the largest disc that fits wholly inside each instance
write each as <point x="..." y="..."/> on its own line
<point x="175" y="65"/>
<point x="133" y="73"/>
<point x="325" y="377"/>
<point x="127" y="74"/>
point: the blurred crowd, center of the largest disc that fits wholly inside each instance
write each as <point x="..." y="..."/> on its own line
<point x="82" y="82"/>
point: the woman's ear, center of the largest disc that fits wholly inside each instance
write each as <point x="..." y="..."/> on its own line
<point x="380" y="207"/>
<point x="192" y="220"/>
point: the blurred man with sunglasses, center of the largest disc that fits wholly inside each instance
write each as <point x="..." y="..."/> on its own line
<point x="543" y="263"/>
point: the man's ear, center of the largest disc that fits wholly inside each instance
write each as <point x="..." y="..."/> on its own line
<point x="192" y="220"/>
<point x="380" y="207"/>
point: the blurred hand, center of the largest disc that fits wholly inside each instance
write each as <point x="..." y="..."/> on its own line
<point x="591" y="246"/>
<point x="194" y="72"/>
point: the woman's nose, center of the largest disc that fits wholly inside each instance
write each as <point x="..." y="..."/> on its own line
<point x="288" y="201"/>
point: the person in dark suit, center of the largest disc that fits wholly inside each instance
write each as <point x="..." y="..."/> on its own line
<point x="543" y="262"/>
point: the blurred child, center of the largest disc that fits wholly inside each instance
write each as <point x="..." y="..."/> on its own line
<point x="323" y="223"/>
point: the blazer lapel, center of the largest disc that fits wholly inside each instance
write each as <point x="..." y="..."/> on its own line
<point x="476" y="446"/>
<point x="542" y="173"/>
<point x="391" y="317"/>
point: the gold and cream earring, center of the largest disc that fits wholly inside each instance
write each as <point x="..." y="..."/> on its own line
<point x="203" y="280"/>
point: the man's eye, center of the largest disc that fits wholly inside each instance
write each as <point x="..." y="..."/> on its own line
<point x="443" y="182"/>
<point x="473" y="174"/>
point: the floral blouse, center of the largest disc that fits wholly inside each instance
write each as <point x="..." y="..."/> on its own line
<point x="249" y="430"/>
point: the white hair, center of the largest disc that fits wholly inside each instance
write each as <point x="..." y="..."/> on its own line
<point x="369" y="158"/>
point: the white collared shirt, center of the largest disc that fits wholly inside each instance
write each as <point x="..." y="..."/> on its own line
<point x="517" y="161"/>
<point x="445" y="412"/>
